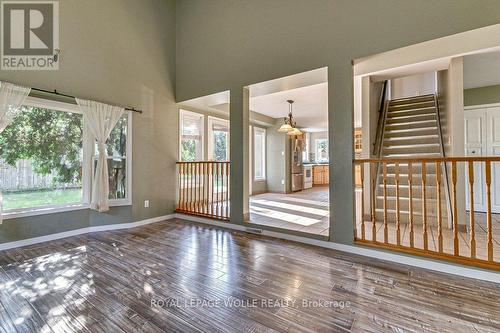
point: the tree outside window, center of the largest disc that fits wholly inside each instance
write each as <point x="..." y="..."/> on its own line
<point x="321" y="150"/>
<point x="41" y="158"/>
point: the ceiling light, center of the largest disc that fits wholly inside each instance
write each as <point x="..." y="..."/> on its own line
<point x="295" y="131"/>
<point x="285" y="128"/>
<point x="289" y="124"/>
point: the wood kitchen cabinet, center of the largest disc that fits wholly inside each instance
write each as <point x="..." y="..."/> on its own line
<point x="321" y="175"/>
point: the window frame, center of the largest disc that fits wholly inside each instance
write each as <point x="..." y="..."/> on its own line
<point x="262" y="131"/>
<point x="127" y="201"/>
<point x="87" y="165"/>
<point x="182" y="113"/>
<point x="316" y="150"/>
<point x="211" y="122"/>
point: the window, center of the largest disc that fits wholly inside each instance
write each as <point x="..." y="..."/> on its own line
<point x="117" y="151"/>
<point x="321" y="150"/>
<point x="259" y="141"/>
<point x="357" y="141"/>
<point x="41" y="158"/>
<point x="191" y="136"/>
<point x="46" y="160"/>
<point x="218" y="139"/>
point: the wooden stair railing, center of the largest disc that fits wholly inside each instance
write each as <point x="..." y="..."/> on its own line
<point x="415" y="225"/>
<point x="203" y="189"/>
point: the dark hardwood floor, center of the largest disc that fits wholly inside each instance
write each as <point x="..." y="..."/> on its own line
<point x="180" y="277"/>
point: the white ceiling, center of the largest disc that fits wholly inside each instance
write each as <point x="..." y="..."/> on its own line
<point x="310" y="107"/>
<point x="481" y="70"/>
<point x="218" y="102"/>
<point x="294" y="81"/>
<point x="309" y="90"/>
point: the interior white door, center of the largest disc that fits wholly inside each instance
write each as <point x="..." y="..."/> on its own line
<point x="493" y="149"/>
<point x="475" y="145"/>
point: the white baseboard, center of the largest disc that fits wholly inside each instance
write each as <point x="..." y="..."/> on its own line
<point x="76" y="232"/>
<point x="474" y="273"/>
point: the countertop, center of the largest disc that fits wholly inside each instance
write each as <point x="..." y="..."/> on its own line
<point x="314" y="163"/>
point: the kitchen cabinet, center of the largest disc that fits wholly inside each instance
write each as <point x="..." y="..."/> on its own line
<point x="321" y="175"/>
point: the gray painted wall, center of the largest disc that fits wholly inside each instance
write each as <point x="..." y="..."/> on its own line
<point x="482" y="95"/>
<point x="121" y="52"/>
<point x="228" y="44"/>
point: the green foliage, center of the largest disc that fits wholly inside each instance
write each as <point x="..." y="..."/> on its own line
<point x="188" y="151"/>
<point x="51" y="139"/>
<point x="117" y="141"/>
<point x="220" y="145"/>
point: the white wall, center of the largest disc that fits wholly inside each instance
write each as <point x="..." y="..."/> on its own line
<point x="415" y="85"/>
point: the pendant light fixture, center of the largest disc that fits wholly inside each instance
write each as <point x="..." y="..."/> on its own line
<point x="295" y="131"/>
<point x="288" y="126"/>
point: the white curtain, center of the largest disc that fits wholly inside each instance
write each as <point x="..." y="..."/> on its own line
<point x="12" y="97"/>
<point x="100" y="119"/>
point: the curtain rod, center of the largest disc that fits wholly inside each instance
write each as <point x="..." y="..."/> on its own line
<point x="55" y="92"/>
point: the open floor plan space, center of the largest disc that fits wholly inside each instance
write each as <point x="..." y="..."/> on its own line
<point x="255" y="166"/>
<point x="305" y="211"/>
<point x="149" y="279"/>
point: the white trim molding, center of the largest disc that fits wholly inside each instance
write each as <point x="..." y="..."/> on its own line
<point x="481" y="106"/>
<point x="433" y="265"/>
<point x="81" y="231"/>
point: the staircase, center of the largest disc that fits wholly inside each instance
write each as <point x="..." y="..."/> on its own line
<point x="410" y="130"/>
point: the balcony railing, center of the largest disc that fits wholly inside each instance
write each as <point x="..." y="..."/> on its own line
<point x="203" y="189"/>
<point x="407" y="211"/>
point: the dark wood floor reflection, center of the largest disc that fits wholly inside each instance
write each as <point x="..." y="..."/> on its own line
<point x="209" y="280"/>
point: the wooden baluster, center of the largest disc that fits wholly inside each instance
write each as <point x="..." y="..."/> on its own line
<point x="200" y="179"/>
<point x="195" y="174"/>
<point x="227" y="189"/>
<point x="221" y="191"/>
<point x="195" y="181"/>
<point x="373" y="198"/>
<point x="193" y="187"/>
<point x="184" y="190"/>
<point x="222" y="172"/>
<point x="439" y="207"/>
<point x="223" y="194"/>
<point x="202" y="187"/>
<point x="386" y="231"/>
<point x="355" y="201"/>
<point x="471" y="211"/>
<point x="489" y="224"/>
<point x="398" y="215"/>
<point x="186" y="187"/>
<point x="217" y="190"/>
<point x="179" y="185"/>
<point x="424" y="205"/>
<point x="197" y="187"/>
<point x="190" y="187"/>
<point x="455" y="207"/>
<point x="212" y="188"/>
<point x="362" y="201"/>
<point x="207" y="188"/>
<point x="410" y="203"/>
<point x="181" y="189"/>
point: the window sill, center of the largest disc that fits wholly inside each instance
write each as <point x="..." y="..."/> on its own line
<point x="259" y="180"/>
<point x="45" y="210"/>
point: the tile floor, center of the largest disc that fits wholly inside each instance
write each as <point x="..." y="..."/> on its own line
<point x="306" y="211"/>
